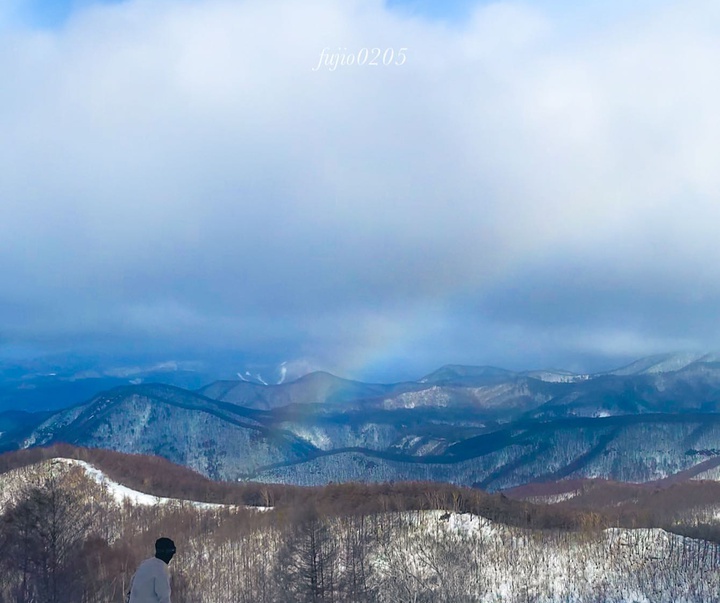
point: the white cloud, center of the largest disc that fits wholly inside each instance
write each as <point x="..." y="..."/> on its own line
<point x="184" y="155"/>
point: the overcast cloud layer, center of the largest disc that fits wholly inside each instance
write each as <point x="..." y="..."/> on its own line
<point x="531" y="188"/>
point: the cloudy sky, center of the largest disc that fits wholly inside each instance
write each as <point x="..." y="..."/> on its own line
<point x="524" y="184"/>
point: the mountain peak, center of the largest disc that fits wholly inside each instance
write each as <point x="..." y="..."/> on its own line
<point x="461" y="372"/>
<point x="318" y="376"/>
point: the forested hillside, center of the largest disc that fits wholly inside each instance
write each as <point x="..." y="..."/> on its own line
<point x="70" y="533"/>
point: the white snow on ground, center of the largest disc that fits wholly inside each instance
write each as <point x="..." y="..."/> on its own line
<point x="317" y="436"/>
<point x="626" y="565"/>
<point x="122" y="493"/>
<point x="466" y="523"/>
<point x="557" y="377"/>
<point x="711" y="474"/>
<point x="551" y="499"/>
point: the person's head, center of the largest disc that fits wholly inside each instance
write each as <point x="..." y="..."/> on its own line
<point x="164" y="549"/>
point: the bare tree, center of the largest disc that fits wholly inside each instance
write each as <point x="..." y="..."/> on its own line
<point x="42" y="537"/>
<point x="307" y="558"/>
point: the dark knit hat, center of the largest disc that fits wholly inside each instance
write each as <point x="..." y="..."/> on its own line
<point x="164" y="545"/>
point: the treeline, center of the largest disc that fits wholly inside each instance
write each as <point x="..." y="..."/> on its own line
<point x="684" y="508"/>
<point x="64" y="539"/>
<point x="157" y="476"/>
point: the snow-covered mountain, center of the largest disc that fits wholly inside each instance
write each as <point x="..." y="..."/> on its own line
<point x="475" y="426"/>
<point x="215" y="438"/>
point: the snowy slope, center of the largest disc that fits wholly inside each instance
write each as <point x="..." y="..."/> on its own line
<point x="11" y="481"/>
<point x="469" y="558"/>
<point x="122" y="494"/>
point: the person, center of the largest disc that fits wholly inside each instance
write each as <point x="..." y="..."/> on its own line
<point x="151" y="582"/>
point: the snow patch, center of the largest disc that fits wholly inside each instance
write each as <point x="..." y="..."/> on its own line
<point x="121" y="493"/>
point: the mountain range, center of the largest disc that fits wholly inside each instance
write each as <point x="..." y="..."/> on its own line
<point x="486" y="427"/>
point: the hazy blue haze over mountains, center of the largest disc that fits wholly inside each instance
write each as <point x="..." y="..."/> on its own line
<point x="481" y="426"/>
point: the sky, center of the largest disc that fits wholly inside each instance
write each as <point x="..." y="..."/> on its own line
<point x="523" y="184"/>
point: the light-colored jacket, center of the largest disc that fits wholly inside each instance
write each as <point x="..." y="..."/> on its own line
<point x="151" y="582"/>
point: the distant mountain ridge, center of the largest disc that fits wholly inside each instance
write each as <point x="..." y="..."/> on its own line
<point x="665" y="363"/>
<point x="313" y="388"/>
<point x="476" y="426"/>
